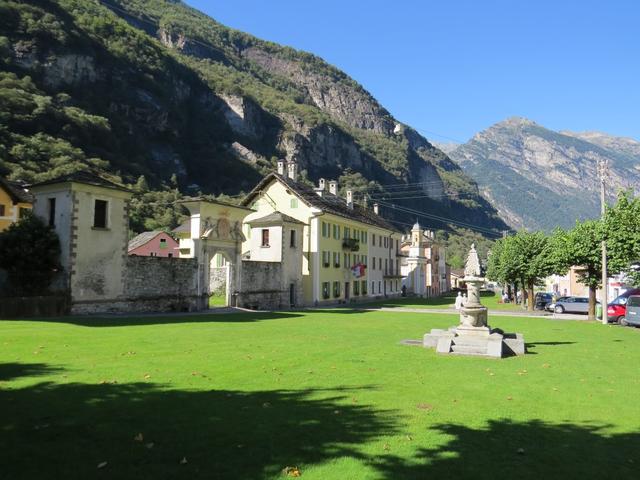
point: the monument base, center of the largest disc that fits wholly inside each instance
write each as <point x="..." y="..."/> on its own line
<point x="476" y="341"/>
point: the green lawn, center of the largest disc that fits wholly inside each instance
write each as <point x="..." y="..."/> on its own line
<point x="242" y="396"/>
<point x="217" y="301"/>
<point x="490" y="300"/>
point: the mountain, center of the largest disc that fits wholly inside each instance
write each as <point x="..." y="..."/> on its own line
<point x="539" y="179"/>
<point x="156" y="88"/>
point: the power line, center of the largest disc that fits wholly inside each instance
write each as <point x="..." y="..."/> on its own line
<point x="439" y="218"/>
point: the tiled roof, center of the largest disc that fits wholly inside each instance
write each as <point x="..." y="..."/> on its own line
<point x="142" y="239"/>
<point x="275" y="217"/>
<point x="17" y="191"/>
<point x="85" y="177"/>
<point x="328" y="203"/>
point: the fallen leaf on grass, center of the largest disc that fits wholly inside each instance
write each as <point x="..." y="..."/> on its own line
<point x="138" y="438"/>
<point x="183" y="461"/>
<point x="509" y="397"/>
<point x="266" y="405"/>
<point x="386" y="447"/>
<point x="520" y="451"/>
<point x="291" y="471"/>
<point x="545" y="365"/>
<point x="425" y="406"/>
<point x="149" y="445"/>
<point x="147" y="376"/>
<point x="102" y="464"/>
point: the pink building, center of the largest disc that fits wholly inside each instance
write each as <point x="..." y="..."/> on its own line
<point x="153" y="244"/>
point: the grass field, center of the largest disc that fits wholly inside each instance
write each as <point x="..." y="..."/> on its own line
<point x="488" y="299"/>
<point x="243" y="396"/>
<point x="217" y="301"/>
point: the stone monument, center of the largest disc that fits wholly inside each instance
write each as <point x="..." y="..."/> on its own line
<point x="473" y="336"/>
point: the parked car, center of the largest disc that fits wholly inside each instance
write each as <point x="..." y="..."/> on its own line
<point x="541" y="300"/>
<point x="552" y="305"/>
<point x="617" y="309"/>
<point x="572" y="305"/>
<point x="633" y="312"/>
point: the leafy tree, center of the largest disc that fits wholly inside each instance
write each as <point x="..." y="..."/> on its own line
<point x="30" y="255"/>
<point x="581" y="246"/>
<point x="622" y="231"/>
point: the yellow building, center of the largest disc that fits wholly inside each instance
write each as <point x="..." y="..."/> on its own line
<point x="14" y="200"/>
<point x="336" y="235"/>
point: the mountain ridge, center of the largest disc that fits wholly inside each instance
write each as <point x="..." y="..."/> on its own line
<point x="538" y="178"/>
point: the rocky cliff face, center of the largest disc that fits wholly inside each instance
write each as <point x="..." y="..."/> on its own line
<point x="538" y="178"/>
<point x="182" y="94"/>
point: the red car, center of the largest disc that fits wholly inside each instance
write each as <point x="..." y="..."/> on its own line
<point x="617" y="309"/>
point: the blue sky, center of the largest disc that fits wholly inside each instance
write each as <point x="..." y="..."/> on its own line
<point x="452" y="68"/>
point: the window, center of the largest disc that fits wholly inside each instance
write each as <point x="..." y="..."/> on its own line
<point x="292" y="239"/>
<point x="336" y="231"/>
<point x="52" y="212"/>
<point x="23" y="211"/>
<point x="386" y="242"/>
<point x="265" y="237"/>
<point x="364" y="287"/>
<point x="379" y="286"/>
<point x="324" y="229"/>
<point x="364" y="237"/>
<point x="373" y="239"/>
<point x="325" y="259"/>
<point x="347" y="232"/>
<point x="325" y="290"/>
<point x="373" y="288"/>
<point x="100" y="214"/>
<point x="336" y="289"/>
<point x="294" y="203"/>
<point x="356" y="234"/>
<point x="2" y="210"/>
<point x="169" y="255"/>
<point x="386" y="266"/>
<point x="356" y="287"/>
<point x="153" y="254"/>
<point x="344" y="260"/>
<point x="336" y="259"/>
<point x="163" y="243"/>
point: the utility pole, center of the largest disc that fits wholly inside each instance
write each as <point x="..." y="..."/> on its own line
<point x="603" y="171"/>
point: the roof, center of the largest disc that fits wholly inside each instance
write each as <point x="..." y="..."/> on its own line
<point x="17" y="191"/>
<point x="275" y="217"/>
<point x="183" y="227"/>
<point x="328" y="203"/>
<point x="142" y="239"/>
<point x="209" y="200"/>
<point x="84" y="177"/>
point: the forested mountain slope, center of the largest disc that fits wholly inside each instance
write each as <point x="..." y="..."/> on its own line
<point x="156" y="88"/>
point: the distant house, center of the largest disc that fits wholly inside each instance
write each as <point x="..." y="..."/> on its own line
<point x="153" y="244"/>
<point x="14" y="201"/>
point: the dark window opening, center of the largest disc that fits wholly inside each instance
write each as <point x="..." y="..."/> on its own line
<point x="292" y="242"/>
<point x="100" y="214"/>
<point x="265" y="237"/>
<point x="52" y="212"/>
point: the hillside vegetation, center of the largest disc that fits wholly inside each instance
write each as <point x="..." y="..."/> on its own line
<point x="155" y="88"/>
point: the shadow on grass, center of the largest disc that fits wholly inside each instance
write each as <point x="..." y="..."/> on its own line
<point x="525" y="450"/>
<point x="535" y="344"/>
<point x="163" y="319"/>
<point x="10" y="371"/>
<point x="66" y="430"/>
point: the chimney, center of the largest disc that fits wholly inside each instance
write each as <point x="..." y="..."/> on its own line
<point x="292" y="169"/>
<point x="280" y="167"/>
<point x="320" y="188"/>
<point x="376" y="209"/>
<point x="350" y="199"/>
<point x="333" y="187"/>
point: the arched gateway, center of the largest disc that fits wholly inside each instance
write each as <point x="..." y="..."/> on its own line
<point x="215" y="228"/>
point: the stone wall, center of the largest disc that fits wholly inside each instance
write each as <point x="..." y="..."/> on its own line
<point x="153" y="284"/>
<point x="264" y="286"/>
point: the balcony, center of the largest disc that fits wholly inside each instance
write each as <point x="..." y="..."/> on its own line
<point x="351" y="244"/>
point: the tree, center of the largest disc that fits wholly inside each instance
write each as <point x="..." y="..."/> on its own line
<point x="581" y="247"/>
<point x="522" y="258"/>
<point x="30" y="255"/>
<point x="532" y="257"/>
<point x="622" y="233"/>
